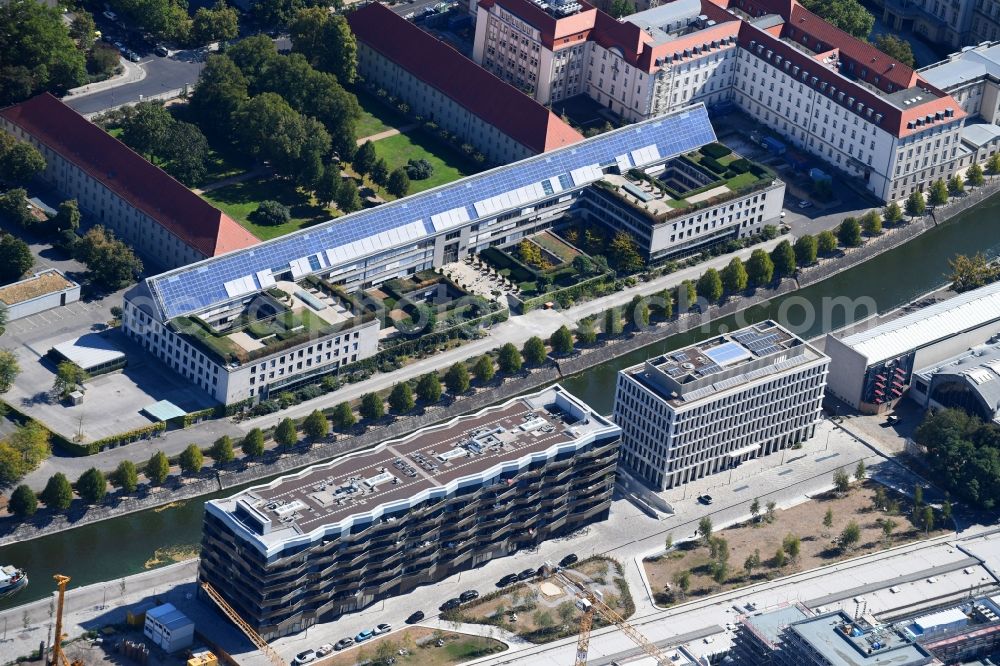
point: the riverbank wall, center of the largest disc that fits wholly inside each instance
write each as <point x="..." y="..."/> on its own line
<point x="273" y="464"/>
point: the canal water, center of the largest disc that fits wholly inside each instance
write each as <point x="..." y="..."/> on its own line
<point x="114" y="548"/>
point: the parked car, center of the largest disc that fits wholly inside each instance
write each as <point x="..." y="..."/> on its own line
<point x="416" y="617"/>
<point x="324" y="650"/>
<point x="804" y="204"/>
<point x="451" y="604"/>
<point x="132" y="56"/>
<point x="705" y="499"/>
<point x="110" y="15"/>
<point x="569" y="560"/>
<point x="383" y="628"/>
<point x="526" y="574"/>
<point x="892" y="420"/>
<point x="468" y="595"/>
<point x="161" y="51"/>
<point x="509" y="579"/>
<point x="107" y="38"/>
<point x="343" y="643"/>
<point x="303" y="657"/>
<point x="364" y="636"/>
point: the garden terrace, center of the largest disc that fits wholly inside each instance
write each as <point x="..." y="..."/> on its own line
<point x="553" y="265"/>
<point x="285" y="316"/>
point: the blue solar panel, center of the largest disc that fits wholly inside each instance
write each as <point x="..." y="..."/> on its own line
<point x="198" y="286"/>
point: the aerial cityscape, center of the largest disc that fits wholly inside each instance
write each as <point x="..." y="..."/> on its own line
<point x="500" y="332"/>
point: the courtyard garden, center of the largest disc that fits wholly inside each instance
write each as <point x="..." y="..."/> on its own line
<point x="447" y="163"/>
<point x="541" y="610"/>
<point x="542" y="263"/>
<point x="240" y="201"/>
<point x="852" y="520"/>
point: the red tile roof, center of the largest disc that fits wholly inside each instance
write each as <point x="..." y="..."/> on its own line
<point x="439" y="65"/>
<point x="143" y="185"/>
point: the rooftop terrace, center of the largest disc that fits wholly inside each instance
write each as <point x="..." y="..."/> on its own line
<point x="360" y="487"/>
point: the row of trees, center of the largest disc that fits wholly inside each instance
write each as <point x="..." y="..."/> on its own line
<point x="179" y="147"/>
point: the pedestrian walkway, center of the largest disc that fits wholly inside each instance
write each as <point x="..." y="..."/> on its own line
<point x="131" y="73"/>
<point x="386" y="134"/>
<point x="256" y="172"/>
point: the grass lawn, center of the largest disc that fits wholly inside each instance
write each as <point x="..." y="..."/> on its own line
<point x="376" y="116"/>
<point x="741" y="180"/>
<point x="555" y="245"/>
<point x="241" y="199"/>
<point x="420" y="648"/>
<point x="448" y="163"/>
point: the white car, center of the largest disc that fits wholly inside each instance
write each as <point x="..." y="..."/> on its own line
<point x="805" y="204"/>
<point x="305" y="657"/>
<point x="324" y="649"/>
<point x="110" y="15"/>
<point x="382" y="629"/>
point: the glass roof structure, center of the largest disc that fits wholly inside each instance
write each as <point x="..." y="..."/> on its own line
<point x="402" y="223"/>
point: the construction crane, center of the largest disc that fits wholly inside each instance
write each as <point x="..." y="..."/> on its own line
<point x="58" y="656"/>
<point x="250" y="632"/>
<point x="591" y="602"/>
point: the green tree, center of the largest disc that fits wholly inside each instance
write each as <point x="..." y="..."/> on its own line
<point x="401" y="398"/>
<point x="895" y="47"/>
<point x="938" y="193"/>
<point x="623" y="254"/>
<point x="69" y="376"/>
<point x="187" y="152"/>
<point x="683" y="581"/>
<point x="253" y="444"/>
<point x="860" y="471"/>
<point x="850" y="535"/>
<point x="946" y="511"/>
<point x="613" y="324"/>
<point x="126" y="476"/>
<point x="19" y="160"/>
<point x="509" y="359"/>
<point x="783" y="258"/>
<point x="222" y="89"/>
<point x="780" y="558"/>
<point x="58" y="493"/>
<point x="372" y="407"/>
<point x="561" y="341"/>
<point x="826" y="243"/>
<point x="792" y="545"/>
<point x="327" y="42"/>
<point x="974" y="175"/>
<point x="14" y="207"/>
<point x="993" y="164"/>
<point x="806" y="249"/>
<point x="583" y="264"/>
<point x="380" y="172"/>
<point x="347" y="198"/>
<point x="82" y="28"/>
<point x="888" y="525"/>
<point x="38" y="52"/>
<point x="848" y="15"/>
<point x="484" y="369"/>
<point x="871" y="222"/>
<point x="666" y="300"/>
<point x="399" y="183"/>
<point x="760" y="268"/>
<point x="457" y="379"/>
<point x="191" y="459"/>
<point x="222" y="450"/>
<point x="586" y="332"/>
<point x="112" y="263"/>
<point x="146" y="128"/>
<point x="916" y="205"/>
<point x="849" y="233"/>
<point x="956" y="185"/>
<point x="918" y="495"/>
<point x="892" y="213"/>
<point x="343" y="416"/>
<point x="328" y="184"/>
<point x="429" y="388"/>
<point x="15" y="258"/>
<point x="92" y="486"/>
<point x="828" y="519"/>
<point x="68" y="217"/>
<point x="927" y="518"/>
<point x="640" y="312"/>
<point x="316" y="426"/>
<point x="620" y="8"/>
<point x="157" y="468"/>
<point x="705" y="529"/>
<point x="365" y="158"/>
<point x="293" y="143"/>
<point x="220" y="23"/>
<point x="841" y="481"/>
<point x="734" y="276"/>
<point x="710" y="286"/>
<point x="23" y="502"/>
<point x="534" y="352"/>
<point x="285" y="435"/>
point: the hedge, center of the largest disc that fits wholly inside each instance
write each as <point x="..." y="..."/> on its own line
<point x="572" y="291"/>
<point x="715" y="150"/>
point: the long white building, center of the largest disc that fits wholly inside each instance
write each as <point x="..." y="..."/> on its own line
<point x="710" y="406"/>
<point x="826" y="92"/>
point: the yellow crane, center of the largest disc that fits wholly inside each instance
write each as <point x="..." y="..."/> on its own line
<point x="250" y="632"/>
<point x="58" y="656"/>
<point x="591" y="602"/>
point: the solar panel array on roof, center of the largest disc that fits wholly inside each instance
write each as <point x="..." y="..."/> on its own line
<point x="198" y="286"/>
<point x="728" y="353"/>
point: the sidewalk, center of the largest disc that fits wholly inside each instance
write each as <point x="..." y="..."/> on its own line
<point x="256" y="172"/>
<point x="389" y="132"/>
<point x="131" y="73"/>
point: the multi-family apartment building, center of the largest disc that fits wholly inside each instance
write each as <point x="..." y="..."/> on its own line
<point x="211" y="309"/>
<point x="707" y="407"/>
<point x="166" y="223"/>
<point x="826" y="92"/>
<point x="440" y="84"/>
<point x="339" y="536"/>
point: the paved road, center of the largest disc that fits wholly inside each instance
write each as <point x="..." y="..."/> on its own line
<point x="162" y="75"/>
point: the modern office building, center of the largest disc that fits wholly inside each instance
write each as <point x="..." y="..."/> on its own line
<point x="339" y="536"/>
<point x="195" y="317"/>
<point x="872" y="369"/>
<point x="837" y="639"/>
<point x="826" y="92"/>
<point x="440" y="84"/>
<point x="165" y="222"/>
<point x="968" y="381"/>
<point x="758" y="636"/>
<point x="709" y="406"/>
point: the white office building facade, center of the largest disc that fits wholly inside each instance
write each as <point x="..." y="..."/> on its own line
<point x="706" y="408"/>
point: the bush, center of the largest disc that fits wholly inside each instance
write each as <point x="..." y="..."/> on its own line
<point x="741" y="165"/>
<point x="419" y="169"/>
<point x="712" y="164"/>
<point x="715" y="150"/>
<point x="270" y="213"/>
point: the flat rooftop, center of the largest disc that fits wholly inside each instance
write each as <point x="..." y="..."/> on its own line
<point x="45" y="282"/>
<point x="722" y="362"/>
<point x="399" y="470"/>
<point x="843" y="641"/>
<point x="769" y="625"/>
